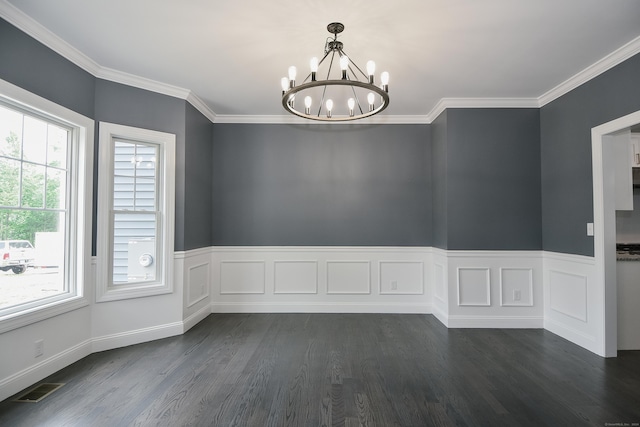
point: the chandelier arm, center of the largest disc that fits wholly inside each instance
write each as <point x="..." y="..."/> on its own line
<point x="353" y="89"/>
<point x="323" y="58"/>
<point x="331" y="64"/>
<point x="366" y="77"/>
<point x="324" y="90"/>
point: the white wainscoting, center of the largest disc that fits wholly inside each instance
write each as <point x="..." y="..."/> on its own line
<point x="516" y="287"/>
<point x="474" y="287"/>
<point x="192" y="270"/>
<point x="491" y="289"/>
<point x="463" y="289"/>
<point x="242" y="277"/>
<point x="573" y="300"/>
<point x="349" y="277"/>
<point x="440" y="286"/>
<point x="295" y="277"/>
<point x="401" y="277"/>
<point x="321" y="279"/>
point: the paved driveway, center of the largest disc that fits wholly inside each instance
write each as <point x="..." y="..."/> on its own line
<point x="35" y="283"/>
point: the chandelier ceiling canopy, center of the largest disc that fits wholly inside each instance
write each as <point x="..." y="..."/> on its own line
<point x="335" y="93"/>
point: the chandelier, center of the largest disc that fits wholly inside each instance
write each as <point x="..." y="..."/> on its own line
<point x="347" y="92"/>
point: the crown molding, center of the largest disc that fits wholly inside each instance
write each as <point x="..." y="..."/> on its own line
<point x="33" y="28"/>
<point x="290" y="119"/>
<point x="141" y="83"/>
<point x="611" y="60"/>
<point x="157" y="87"/>
<point x="200" y="105"/>
<point x="445" y="103"/>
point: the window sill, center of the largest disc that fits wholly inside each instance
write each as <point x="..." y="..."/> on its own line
<point x="42" y="312"/>
<point x="127" y="292"/>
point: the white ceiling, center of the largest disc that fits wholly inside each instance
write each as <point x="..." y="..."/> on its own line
<point x="232" y="54"/>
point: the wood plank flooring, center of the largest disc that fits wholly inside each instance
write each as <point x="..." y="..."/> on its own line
<point x="341" y="370"/>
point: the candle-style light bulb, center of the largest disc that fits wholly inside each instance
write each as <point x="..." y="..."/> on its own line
<point x="329" y="105"/>
<point x="351" y="103"/>
<point x="344" y="65"/>
<point x="292" y="76"/>
<point x="307" y="105"/>
<point x="371" y="98"/>
<point x="313" y="65"/>
<point x="284" y="82"/>
<point x="371" y="69"/>
<point x="384" y="78"/>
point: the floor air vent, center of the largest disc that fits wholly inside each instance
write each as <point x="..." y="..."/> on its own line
<point x="40" y="392"/>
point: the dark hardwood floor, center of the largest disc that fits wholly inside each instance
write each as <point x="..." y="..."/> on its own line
<point x="341" y="370"/>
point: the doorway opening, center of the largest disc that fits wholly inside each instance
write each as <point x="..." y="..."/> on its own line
<point x="604" y="217"/>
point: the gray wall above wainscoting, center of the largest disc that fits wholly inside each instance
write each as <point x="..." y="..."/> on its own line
<point x="439" y="179"/>
<point x="567" y="175"/>
<point x="321" y="185"/>
<point x="129" y="106"/>
<point x="491" y="182"/>
<point x="32" y="66"/>
<point x="198" y="175"/>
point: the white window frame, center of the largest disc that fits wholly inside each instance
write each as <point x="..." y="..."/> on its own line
<point x="106" y="290"/>
<point x="78" y="233"/>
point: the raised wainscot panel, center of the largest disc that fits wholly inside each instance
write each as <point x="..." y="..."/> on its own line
<point x="474" y="287"/>
<point x="401" y="278"/>
<point x="440" y="284"/>
<point x="242" y="277"/>
<point x="568" y="294"/>
<point x="295" y="277"/>
<point x="197" y="283"/>
<point x="516" y="287"/>
<point x="348" y="277"/>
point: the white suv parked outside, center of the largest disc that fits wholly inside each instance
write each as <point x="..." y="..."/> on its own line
<point x="16" y="255"/>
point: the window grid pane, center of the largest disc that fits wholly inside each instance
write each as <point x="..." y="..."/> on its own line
<point x="134" y="176"/>
<point x="134" y="247"/>
<point x="34" y="180"/>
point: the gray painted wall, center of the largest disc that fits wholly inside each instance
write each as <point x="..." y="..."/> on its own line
<point x="567" y="181"/>
<point x="439" y="179"/>
<point x="343" y="185"/>
<point x="27" y="63"/>
<point x="126" y="105"/>
<point x="361" y="185"/>
<point x="492" y="179"/>
<point x="198" y="195"/>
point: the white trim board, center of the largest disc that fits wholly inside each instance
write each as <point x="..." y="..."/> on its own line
<point x="604" y="234"/>
<point x="31" y="375"/>
<point x="34" y="29"/>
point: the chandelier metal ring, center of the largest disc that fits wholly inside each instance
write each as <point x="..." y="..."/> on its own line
<point x="290" y="96"/>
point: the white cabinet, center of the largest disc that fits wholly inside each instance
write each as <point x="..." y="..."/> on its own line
<point x="628" y="278"/>
<point x="635" y="150"/>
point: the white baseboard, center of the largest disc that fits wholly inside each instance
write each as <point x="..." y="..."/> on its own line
<point x="138" y="336"/>
<point x="196" y="318"/>
<point x="496" y="322"/>
<point x="573" y="300"/>
<point x="579" y="338"/>
<point x="258" y="307"/>
<point x="23" y="379"/>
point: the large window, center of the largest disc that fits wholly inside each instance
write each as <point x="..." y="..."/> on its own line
<point x="136" y="205"/>
<point x="45" y="192"/>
